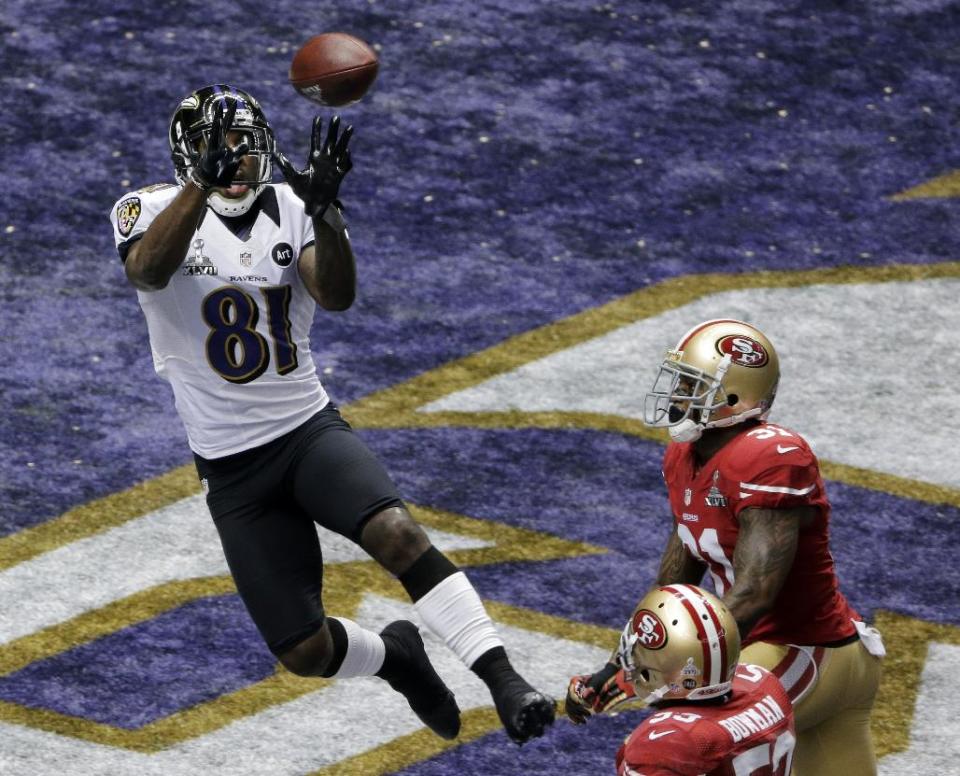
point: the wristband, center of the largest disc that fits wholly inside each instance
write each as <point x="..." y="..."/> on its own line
<point x="199" y="182"/>
<point x="333" y="218"/>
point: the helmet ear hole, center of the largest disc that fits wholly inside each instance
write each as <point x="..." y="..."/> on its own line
<point x="732" y="399"/>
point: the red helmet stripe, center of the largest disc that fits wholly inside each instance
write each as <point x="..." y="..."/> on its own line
<point x="684" y="593"/>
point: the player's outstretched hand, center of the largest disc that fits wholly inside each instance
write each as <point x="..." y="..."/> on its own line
<point x="318" y="183"/>
<point x="577" y="703"/>
<point x="597" y="693"/>
<point x="219" y="162"/>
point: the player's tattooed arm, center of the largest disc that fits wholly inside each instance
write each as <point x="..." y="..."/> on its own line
<point x="766" y="547"/>
<point x="677" y="565"/>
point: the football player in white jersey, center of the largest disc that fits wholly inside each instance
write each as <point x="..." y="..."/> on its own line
<point x="229" y="268"/>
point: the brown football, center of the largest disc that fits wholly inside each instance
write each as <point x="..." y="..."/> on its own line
<point x="334" y="69"/>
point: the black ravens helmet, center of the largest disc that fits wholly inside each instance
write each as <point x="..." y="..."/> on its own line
<point x="190" y="129"/>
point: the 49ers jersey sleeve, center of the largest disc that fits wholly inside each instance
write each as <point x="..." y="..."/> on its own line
<point x="771" y="474"/>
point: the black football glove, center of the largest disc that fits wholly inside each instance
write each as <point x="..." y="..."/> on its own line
<point x="218" y="163"/>
<point x="318" y="183"/>
<point x="597" y="693"/>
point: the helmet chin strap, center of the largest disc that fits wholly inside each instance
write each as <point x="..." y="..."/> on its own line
<point x="687" y="430"/>
<point x="225" y="206"/>
<point x="699" y="694"/>
<point x="656" y="695"/>
<point x="732" y="420"/>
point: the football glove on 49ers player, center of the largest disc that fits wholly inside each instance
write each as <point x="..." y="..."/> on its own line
<point x="597" y="693"/>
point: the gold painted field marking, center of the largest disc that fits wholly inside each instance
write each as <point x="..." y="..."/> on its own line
<point x="345" y="585"/>
<point x="941" y="187"/>
<point x="395" y="407"/>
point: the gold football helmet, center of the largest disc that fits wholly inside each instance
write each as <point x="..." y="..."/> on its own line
<point x="680" y="642"/>
<point x="720" y="373"/>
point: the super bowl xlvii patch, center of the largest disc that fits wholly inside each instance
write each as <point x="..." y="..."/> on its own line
<point x="128" y="211"/>
<point x="199" y="263"/>
<point x="715" y="497"/>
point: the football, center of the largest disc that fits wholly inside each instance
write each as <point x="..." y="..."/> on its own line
<point x="333" y="69"/>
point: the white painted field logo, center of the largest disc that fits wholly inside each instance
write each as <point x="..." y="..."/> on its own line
<point x="744" y="351"/>
<point x="650" y="631"/>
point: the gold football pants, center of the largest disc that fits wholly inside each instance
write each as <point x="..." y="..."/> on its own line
<point x="833" y="716"/>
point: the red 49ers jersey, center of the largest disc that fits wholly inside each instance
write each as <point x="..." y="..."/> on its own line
<point x="749" y="735"/>
<point x="765" y="467"/>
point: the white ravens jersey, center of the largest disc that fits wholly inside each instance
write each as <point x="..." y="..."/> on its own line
<point x="230" y="331"/>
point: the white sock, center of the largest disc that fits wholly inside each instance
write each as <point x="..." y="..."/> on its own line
<point x="455" y="613"/>
<point x="365" y="651"/>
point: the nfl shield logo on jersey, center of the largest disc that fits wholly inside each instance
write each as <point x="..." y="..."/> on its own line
<point x="687" y="496"/>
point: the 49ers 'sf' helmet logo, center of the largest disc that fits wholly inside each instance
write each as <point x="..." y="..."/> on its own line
<point x="650" y="631"/>
<point x="743" y="351"/>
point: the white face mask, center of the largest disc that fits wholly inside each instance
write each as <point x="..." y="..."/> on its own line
<point x="225" y="206"/>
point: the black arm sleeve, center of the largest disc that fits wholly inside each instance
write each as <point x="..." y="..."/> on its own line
<point x="124" y="248"/>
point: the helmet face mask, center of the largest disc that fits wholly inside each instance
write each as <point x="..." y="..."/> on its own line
<point x="681" y="391"/>
<point x="721" y="373"/>
<point x="189" y="133"/>
<point x="681" y="643"/>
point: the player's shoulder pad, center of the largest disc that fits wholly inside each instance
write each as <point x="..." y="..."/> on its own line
<point x="756" y="684"/>
<point x="128" y="209"/>
<point x="290" y="207"/>
<point x="677" y="723"/>
<point x="285" y="195"/>
<point x="681" y="739"/>
<point x="673" y="452"/>
<point x="775" y="445"/>
<point x="156" y="187"/>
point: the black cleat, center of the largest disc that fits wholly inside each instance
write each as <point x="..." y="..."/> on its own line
<point x="414" y="677"/>
<point x="525" y="713"/>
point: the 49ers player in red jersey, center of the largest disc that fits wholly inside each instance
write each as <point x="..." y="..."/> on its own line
<point x="749" y="507"/>
<point x="679" y="650"/>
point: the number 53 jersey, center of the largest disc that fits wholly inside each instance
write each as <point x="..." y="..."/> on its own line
<point x="751" y="734"/>
<point x="764" y="467"/>
<point x="230" y="331"/>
